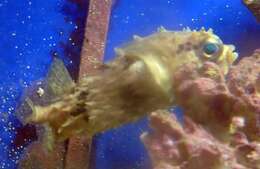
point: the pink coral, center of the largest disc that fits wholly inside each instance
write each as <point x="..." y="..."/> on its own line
<point x="213" y="100"/>
<point x="244" y="83"/>
<point x="172" y="146"/>
<point x="205" y="97"/>
<point x="222" y="119"/>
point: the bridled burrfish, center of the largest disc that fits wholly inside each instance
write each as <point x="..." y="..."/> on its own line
<point x="137" y="82"/>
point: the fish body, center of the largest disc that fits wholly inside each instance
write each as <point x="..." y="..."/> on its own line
<point x="137" y="82"/>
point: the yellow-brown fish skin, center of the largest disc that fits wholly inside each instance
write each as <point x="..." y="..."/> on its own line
<point x="136" y="82"/>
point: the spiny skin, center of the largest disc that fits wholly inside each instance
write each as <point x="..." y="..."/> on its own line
<point x="137" y="82"/>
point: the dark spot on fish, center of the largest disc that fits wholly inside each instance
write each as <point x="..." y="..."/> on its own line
<point x="181" y="47"/>
<point x="78" y="111"/>
<point x="196" y="47"/>
<point x="188" y="46"/>
<point x="80" y="108"/>
<point x="86" y="117"/>
<point x="83" y="95"/>
<point x="104" y="66"/>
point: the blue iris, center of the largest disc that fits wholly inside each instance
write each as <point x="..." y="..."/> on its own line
<point x="210" y="48"/>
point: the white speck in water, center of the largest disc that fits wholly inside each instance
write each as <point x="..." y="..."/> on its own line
<point x="13" y="34"/>
<point x="16" y="47"/>
<point x="170" y="1"/>
<point x="205" y="13"/>
<point x="40" y="92"/>
<point x="30" y="2"/>
<point x="221" y="19"/>
<point x="227" y="6"/>
<point x="126" y="19"/>
<point x="28" y="67"/>
<point x="29" y="17"/>
<point x="51" y="37"/>
<point x="44" y="39"/>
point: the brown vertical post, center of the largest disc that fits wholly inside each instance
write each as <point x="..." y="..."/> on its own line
<point x="95" y="35"/>
<point x="78" y="152"/>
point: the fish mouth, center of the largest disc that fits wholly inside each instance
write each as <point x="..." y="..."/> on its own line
<point x="227" y="58"/>
<point x="231" y="54"/>
<point x="233" y="50"/>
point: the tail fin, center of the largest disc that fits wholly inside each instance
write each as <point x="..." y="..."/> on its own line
<point x="44" y="132"/>
<point x="48" y="138"/>
<point x="56" y="82"/>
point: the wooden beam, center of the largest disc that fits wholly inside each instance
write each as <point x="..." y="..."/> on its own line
<point x="78" y="153"/>
<point x="95" y="35"/>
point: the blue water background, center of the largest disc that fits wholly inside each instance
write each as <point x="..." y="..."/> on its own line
<point x="33" y="32"/>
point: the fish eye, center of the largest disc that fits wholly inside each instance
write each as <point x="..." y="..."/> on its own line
<point x="210" y="48"/>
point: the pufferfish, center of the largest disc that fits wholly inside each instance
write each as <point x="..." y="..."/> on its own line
<point x="137" y="82"/>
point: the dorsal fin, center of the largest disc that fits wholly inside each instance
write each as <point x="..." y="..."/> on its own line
<point x="58" y="77"/>
<point x="137" y="38"/>
<point x="161" y="29"/>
